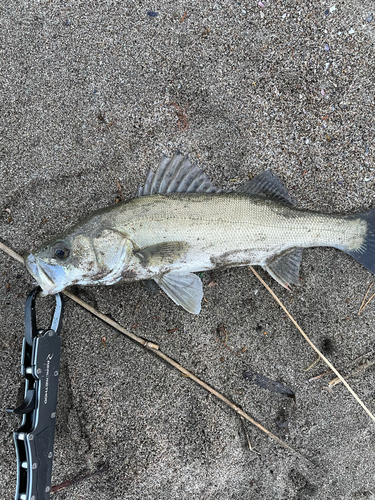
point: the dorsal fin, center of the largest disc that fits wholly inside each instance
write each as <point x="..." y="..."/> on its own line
<point x="268" y="185"/>
<point x="176" y="175"/>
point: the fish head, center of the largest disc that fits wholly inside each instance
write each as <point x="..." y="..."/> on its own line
<point x="80" y="259"/>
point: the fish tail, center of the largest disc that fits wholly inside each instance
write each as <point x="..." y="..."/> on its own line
<point x="365" y="254"/>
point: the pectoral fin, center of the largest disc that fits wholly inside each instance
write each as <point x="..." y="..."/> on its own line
<point x="162" y="253"/>
<point x="185" y="290"/>
<point x="284" y="268"/>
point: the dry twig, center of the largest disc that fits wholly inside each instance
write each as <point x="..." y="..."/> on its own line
<point x="312" y="364"/>
<point x="71" y="482"/>
<point x="155" y="349"/>
<point x="352" y="363"/>
<point x="313" y="346"/>
<point x="320" y="376"/>
<point x="361" y="368"/>
<point x="364" y="305"/>
<point x="10" y="252"/>
<point x="247" y="436"/>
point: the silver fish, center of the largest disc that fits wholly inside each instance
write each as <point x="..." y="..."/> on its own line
<point x="180" y="224"/>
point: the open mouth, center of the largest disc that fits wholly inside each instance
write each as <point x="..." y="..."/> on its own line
<point x="38" y="270"/>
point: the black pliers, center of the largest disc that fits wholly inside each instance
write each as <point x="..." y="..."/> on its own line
<point x="40" y="365"/>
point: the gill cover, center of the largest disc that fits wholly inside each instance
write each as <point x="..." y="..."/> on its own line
<point x="112" y="250"/>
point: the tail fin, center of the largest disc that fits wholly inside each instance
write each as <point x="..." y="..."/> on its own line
<point x="365" y="255"/>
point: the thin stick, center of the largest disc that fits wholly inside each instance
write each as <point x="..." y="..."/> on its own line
<point x="361" y="368"/>
<point x="155" y="349"/>
<point x="349" y="365"/>
<point x="320" y="376"/>
<point x="367" y="303"/>
<point x="312" y="364"/>
<point x="364" y="298"/>
<point x="313" y="346"/>
<point x="10" y="252"/>
<point x="110" y="321"/>
<point x="71" y="482"/>
<point x="247" y="436"/>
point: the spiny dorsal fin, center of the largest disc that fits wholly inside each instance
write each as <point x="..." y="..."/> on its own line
<point x="176" y="175"/>
<point x="284" y="268"/>
<point x="268" y="185"/>
<point x="185" y="290"/>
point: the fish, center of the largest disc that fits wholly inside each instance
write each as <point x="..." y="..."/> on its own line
<point x="180" y="224"/>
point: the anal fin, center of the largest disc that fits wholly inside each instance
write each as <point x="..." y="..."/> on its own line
<point x="284" y="268"/>
<point x="185" y="290"/>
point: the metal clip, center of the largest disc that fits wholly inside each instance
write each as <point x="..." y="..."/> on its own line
<point x="40" y="365"/>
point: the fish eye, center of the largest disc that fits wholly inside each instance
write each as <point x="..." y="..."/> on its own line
<point x="60" y="250"/>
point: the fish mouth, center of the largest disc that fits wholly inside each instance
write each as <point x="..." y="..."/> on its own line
<point x="37" y="269"/>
